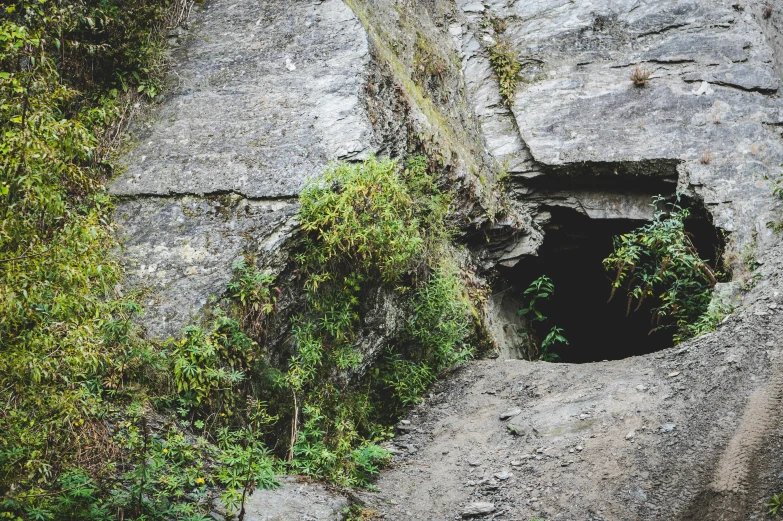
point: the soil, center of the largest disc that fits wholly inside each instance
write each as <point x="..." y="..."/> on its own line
<point x="689" y="433"/>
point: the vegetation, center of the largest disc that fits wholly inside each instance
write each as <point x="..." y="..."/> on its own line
<point x="74" y="441"/>
<point x="101" y="423"/>
<point x="540" y="289"/>
<point x="370" y="225"/>
<point x="659" y="262"/>
<point x="640" y="75"/>
<point x="506" y="65"/>
<point x="775" y="504"/>
<point x="777" y="191"/>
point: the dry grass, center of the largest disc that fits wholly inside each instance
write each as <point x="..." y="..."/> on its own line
<point x="640" y="75"/>
<point x="706" y="157"/>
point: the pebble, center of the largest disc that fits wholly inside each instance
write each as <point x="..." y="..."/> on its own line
<point x="668" y="427"/>
<point x="580" y="448"/>
<point x="474" y="463"/>
<point x="510" y="413"/>
<point x="503" y="475"/>
<point x="630" y="435"/>
<point x="478" y="509"/>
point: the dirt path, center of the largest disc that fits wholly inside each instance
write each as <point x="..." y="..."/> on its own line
<point x="684" y="434"/>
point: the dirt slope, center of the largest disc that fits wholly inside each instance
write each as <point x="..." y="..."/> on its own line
<point x="689" y="433"/>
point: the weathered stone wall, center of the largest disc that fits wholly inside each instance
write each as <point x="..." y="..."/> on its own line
<point x="769" y="16"/>
<point x="265" y="95"/>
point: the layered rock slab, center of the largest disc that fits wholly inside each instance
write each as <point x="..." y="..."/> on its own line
<point x="265" y="95"/>
<point x="291" y="501"/>
<point x="708" y="115"/>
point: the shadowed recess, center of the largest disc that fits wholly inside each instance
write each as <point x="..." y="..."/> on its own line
<point x="597" y="329"/>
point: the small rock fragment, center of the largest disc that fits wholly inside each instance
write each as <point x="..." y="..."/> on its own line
<point x="478" y="509"/>
<point x="505" y="415"/>
<point x="503" y="475"/>
<point x="630" y="435"/>
<point x="668" y="427"/>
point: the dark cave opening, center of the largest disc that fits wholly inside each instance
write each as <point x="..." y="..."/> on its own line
<point x="571" y="255"/>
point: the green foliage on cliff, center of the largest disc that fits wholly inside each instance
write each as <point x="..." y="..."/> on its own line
<point x="505" y="63"/>
<point x="659" y="262"/>
<point x="375" y="232"/>
<point x="71" y="359"/>
<point x="100" y="423"/>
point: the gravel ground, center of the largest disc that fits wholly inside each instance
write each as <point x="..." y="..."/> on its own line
<point x="690" y="433"/>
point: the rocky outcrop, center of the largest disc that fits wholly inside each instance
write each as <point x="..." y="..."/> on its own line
<point x="292" y="501"/>
<point x="265" y="95"/>
<point x="707" y="118"/>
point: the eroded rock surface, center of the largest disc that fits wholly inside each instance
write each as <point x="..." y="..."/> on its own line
<point x="709" y="115"/>
<point x="267" y="94"/>
<point x="293" y="501"/>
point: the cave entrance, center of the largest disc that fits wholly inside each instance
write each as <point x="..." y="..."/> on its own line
<point x="571" y="255"/>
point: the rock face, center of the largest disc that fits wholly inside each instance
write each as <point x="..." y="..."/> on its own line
<point x="265" y="94"/>
<point x="708" y="118"/>
<point x="293" y="501"/>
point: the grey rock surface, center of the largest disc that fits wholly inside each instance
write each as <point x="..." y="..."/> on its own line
<point x="269" y="92"/>
<point x="293" y="501"/>
<point x="266" y="94"/>
<point x="180" y="249"/>
<point x="478" y="509"/>
<point x="712" y="93"/>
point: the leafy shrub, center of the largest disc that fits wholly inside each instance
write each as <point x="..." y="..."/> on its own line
<point x="659" y="262"/>
<point x="209" y="366"/>
<point x="775" y="504"/>
<point x="256" y="294"/>
<point x="370" y="224"/>
<point x="505" y="63"/>
<point x="70" y="348"/>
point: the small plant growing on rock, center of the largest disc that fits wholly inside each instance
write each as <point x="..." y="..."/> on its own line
<point x="504" y="62"/>
<point x="659" y="262"/>
<point x="706" y="157"/>
<point x="498" y="24"/>
<point x="777" y="191"/>
<point x="540" y="289"/>
<point x="775" y="504"/>
<point x="640" y="76"/>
